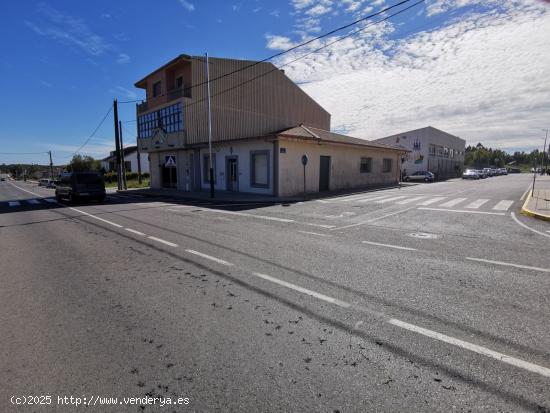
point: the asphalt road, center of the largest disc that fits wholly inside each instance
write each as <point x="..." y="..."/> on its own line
<point x="432" y="297"/>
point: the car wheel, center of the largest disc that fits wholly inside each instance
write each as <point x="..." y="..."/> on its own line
<point x="426" y="179"/>
<point x="406" y="179"/>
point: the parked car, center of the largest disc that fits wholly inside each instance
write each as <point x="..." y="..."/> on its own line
<point x="488" y="171"/>
<point x="503" y="171"/>
<point x="470" y="174"/>
<point x="2" y="179"/>
<point x="43" y="182"/>
<point x="76" y="186"/>
<point x="482" y="174"/>
<point x="425" y="176"/>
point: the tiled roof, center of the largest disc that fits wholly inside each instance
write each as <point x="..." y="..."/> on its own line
<point x="306" y="132"/>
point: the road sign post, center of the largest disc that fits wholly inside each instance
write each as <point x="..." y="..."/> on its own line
<point x="305" y="160"/>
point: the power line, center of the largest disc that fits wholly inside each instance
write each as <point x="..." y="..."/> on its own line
<point x="95" y="130"/>
<point x="305" y="55"/>
<point x="287" y="50"/>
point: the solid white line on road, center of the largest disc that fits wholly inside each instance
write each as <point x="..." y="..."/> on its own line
<point x="432" y="200"/>
<point x="463" y="211"/>
<point x="95" y="217"/>
<point x="408" y="201"/>
<point x="535" y="368"/>
<point x="318" y="225"/>
<point x="389" y="246"/>
<point x="453" y="202"/>
<point x="303" y="290"/>
<point x="395" y="198"/>
<point x="33" y="202"/>
<point x="181" y="206"/>
<point x="14" y="203"/>
<point x="525" y="193"/>
<point x="503" y="205"/>
<point x="315" y="233"/>
<point x="50" y="200"/>
<point x="528" y="227"/>
<point x="209" y="257"/>
<point x="30" y="192"/>
<point x="162" y="241"/>
<point x="476" y="204"/>
<point x="373" y="219"/>
<point x="133" y="231"/>
<point x="508" y="264"/>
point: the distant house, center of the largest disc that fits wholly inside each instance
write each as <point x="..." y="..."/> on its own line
<point x="130" y="161"/>
<point x="431" y="150"/>
<point x="263" y="125"/>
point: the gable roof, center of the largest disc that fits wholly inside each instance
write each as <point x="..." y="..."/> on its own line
<point x="320" y="135"/>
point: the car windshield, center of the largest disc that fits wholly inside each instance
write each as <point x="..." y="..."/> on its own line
<point x="90" y="178"/>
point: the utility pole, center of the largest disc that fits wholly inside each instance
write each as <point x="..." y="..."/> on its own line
<point x="209" y="129"/>
<point x="123" y="163"/>
<point x="544" y="150"/>
<point x="117" y="146"/>
<point x="51" y="165"/>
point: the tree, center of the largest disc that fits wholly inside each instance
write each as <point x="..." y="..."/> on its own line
<point x="81" y="163"/>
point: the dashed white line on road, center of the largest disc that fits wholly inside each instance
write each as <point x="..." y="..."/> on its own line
<point x="463" y="211"/>
<point x="389" y="246"/>
<point x="535" y="368"/>
<point x="528" y="227"/>
<point x="503" y="205"/>
<point x="303" y="290"/>
<point x="509" y="264"/>
<point x="162" y="241"/>
<point x="209" y="257"/>
<point x="96" y="217"/>
<point x="133" y="231"/>
<point x="14" y="203"/>
<point x="315" y="233"/>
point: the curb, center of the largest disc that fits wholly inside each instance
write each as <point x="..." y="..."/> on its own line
<point x="529" y="213"/>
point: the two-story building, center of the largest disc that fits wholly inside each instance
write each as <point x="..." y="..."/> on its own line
<point x="262" y="125"/>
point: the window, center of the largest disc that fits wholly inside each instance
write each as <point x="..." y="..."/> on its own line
<point x="169" y="118"/>
<point x="386" y="165"/>
<point x="156" y="89"/>
<point x="366" y="165"/>
<point x="179" y="82"/>
<point x="259" y="169"/>
<point x="206" y="167"/>
<point x="128" y="166"/>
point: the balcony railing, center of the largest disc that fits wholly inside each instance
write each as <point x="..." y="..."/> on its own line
<point x="179" y="93"/>
<point x="171" y="95"/>
<point x="142" y="107"/>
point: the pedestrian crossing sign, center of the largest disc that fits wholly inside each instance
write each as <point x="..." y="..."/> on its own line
<point x="170" y="161"/>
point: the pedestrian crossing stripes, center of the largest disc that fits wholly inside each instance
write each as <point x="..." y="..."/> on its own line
<point x="425" y="200"/>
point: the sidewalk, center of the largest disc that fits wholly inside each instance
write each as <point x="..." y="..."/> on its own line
<point x="240" y="197"/>
<point x="537" y="203"/>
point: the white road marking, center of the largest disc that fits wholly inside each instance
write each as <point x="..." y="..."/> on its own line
<point x="503" y="205"/>
<point x="373" y="219"/>
<point x="133" y="231"/>
<point x="525" y="193"/>
<point x="352" y="197"/>
<point x="535" y="368"/>
<point x="395" y="198"/>
<point x="463" y="211"/>
<point x="14" y="203"/>
<point x="243" y="214"/>
<point x="50" y="200"/>
<point x="476" y="204"/>
<point x="209" y="257"/>
<point x="509" y="264"/>
<point x="453" y="202"/>
<point x="33" y="202"/>
<point x="95" y="217"/>
<point x="370" y="198"/>
<point x="432" y="200"/>
<point x="389" y="246"/>
<point x="408" y="201"/>
<point x="303" y="290"/>
<point x="162" y="241"/>
<point x="528" y="227"/>
<point x="315" y="233"/>
<point x="30" y="192"/>
<point x="318" y="225"/>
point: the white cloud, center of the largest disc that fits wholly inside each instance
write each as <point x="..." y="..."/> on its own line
<point x="68" y="30"/>
<point x="483" y="77"/>
<point x="122" y="91"/>
<point x="278" y="42"/>
<point x="187" y="5"/>
<point x="123" y="58"/>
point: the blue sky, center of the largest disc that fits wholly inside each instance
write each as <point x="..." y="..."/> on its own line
<point x="452" y="64"/>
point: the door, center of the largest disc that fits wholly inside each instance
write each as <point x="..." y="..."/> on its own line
<point x="324" y="173"/>
<point x="169" y="177"/>
<point x="232" y="173"/>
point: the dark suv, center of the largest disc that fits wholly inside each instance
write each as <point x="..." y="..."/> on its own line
<point x="76" y="186"/>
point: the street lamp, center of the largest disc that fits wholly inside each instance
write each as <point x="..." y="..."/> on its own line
<point x="544" y="149"/>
